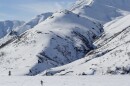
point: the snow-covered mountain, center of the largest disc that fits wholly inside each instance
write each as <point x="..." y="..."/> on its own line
<point x="112" y="55"/>
<point x="102" y="10"/>
<point x="71" y="42"/>
<point x="7" y="26"/>
<point x="62" y="38"/>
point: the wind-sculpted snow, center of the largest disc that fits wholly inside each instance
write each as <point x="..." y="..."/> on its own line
<point x="62" y="38"/>
<point x="102" y="10"/>
<point x="112" y="55"/>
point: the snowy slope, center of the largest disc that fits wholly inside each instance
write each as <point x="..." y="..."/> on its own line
<point x="62" y="38"/>
<point x="112" y="55"/>
<point x="7" y="26"/>
<point x="102" y="10"/>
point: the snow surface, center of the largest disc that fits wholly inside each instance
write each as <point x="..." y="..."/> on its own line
<point x="65" y="81"/>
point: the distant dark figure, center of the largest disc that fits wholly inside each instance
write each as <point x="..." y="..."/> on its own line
<point x="30" y="71"/>
<point x="9" y="73"/>
<point x="41" y="83"/>
<point x="78" y="15"/>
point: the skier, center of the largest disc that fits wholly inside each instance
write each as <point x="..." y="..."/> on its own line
<point x="41" y="83"/>
<point x="9" y="73"/>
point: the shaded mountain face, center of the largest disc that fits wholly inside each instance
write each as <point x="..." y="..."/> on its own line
<point x="102" y="10"/>
<point x="112" y="55"/>
<point x="7" y="26"/>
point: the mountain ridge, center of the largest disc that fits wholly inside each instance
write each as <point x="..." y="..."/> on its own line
<point x="105" y="10"/>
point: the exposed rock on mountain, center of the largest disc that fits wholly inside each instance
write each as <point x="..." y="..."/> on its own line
<point x="7" y="26"/>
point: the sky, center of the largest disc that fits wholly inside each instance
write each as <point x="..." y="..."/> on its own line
<point x="27" y="9"/>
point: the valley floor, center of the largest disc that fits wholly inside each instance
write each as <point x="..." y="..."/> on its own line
<point x="65" y="81"/>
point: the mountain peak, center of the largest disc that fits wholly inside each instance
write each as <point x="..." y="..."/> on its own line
<point x="102" y="10"/>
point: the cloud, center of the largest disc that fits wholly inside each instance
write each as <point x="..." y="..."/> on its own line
<point x="4" y="16"/>
<point x="42" y="7"/>
<point x="59" y="5"/>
